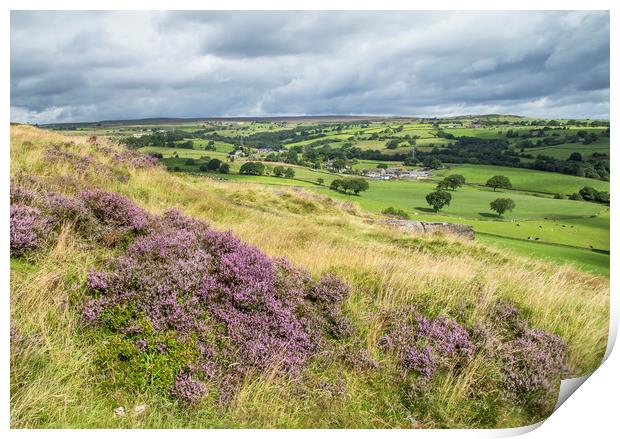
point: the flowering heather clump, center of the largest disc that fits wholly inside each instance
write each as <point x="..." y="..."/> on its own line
<point x="61" y="208"/>
<point x="134" y="159"/>
<point x="534" y="363"/>
<point x="241" y="310"/>
<point x="29" y="228"/>
<point x="96" y="214"/>
<point x="22" y="195"/>
<point x="421" y="361"/>
<point x="78" y="162"/>
<point x="187" y="388"/>
<point x="115" y="211"/>
<point x="426" y="345"/>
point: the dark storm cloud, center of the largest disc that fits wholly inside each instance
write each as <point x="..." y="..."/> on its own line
<point x="68" y="66"/>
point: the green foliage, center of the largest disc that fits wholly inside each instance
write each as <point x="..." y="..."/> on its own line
<point x="149" y="362"/>
<point x="590" y="194"/>
<point x="278" y="171"/>
<point x="214" y="164"/>
<point x="438" y="199"/>
<point x="347" y="185"/>
<point x="454" y="181"/>
<point x="499" y="181"/>
<point x="252" y="168"/>
<point x="392" y="211"/>
<point x="502" y="205"/>
<point x="224" y="168"/>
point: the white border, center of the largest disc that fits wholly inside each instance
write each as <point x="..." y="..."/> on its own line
<point x="592" y="411"/>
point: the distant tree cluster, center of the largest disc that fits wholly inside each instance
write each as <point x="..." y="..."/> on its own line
<point x="588" y="193"/>
<point x="215" y="165"/>
<point x="349" y="185"/>
<point x="281" y="171"/>
<point x="451" y="182"/>
<point x="252" y="168"/>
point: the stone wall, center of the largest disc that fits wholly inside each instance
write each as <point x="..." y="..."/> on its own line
<point x="463" y="230"/>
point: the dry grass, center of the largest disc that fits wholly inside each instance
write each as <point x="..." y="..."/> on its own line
<point x="384" y="268"/>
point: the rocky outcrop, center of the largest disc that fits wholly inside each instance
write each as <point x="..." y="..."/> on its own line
<point x="463" y="230"/>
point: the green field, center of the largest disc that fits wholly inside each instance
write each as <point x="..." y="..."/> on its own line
<point x="526" y="179"/>
<point x="560" y="229"/>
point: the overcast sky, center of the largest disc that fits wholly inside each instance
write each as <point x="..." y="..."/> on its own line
<point x="74" y="66"/>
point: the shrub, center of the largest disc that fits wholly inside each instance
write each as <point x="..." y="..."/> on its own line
<point x="392" y="211"/>
<point x="28" y="228"/>
<point x="242" y="311"/>
<point x="115" y="211"/>
<point x="252" y="168"/>
<point x="588" y="193"/>
<point x="214" y="164"/>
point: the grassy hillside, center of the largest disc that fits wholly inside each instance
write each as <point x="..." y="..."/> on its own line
<point x="59" y="377"/>
<point x="538" y="219"/>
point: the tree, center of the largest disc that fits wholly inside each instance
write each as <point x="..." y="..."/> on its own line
<point x="502" y="205"/>
<point x="499" y="181"/>
<point x="252" y="168"/>
<point x="588" y="193"/>
<point x="575" y="157"/>
<point x="339" y="164"/>
<point x="438" y="199"/>
<point x="335" y="184"/>
<point x="382" y="166"/>
<point x="355" y="185"/>
<point x="454" y="181"/>
<point x="278" y="171"/>
<point x="602" y="197"/>
<point x="442" y="185"/>
<point x="432" y="163"/>
<point x="289" y="173"/>
<point x="224" y="168"/>
<point x="210" y="146"/>
<point x="190" y="161"/>
<point x="320" y="181"/>
<point x="214" y="164"/>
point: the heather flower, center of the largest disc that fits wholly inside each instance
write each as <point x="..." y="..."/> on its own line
<point x="187" y="388"/>
<point x="115" y="210"/>
<point x="425" y="345"/>
<point x="329" y="289"/>
<point x="134" y="159"/>
<point x="22" y="195"/>
<point x="198" y="283"/>
<point x="533" y="366"/>
<point x="422" y="361"/>
<point x="29" y="228"/>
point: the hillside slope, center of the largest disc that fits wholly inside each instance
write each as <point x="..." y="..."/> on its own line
<point x="440" y="332"/>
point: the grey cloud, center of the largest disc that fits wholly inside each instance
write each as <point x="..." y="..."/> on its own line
<point x="68" y="66"/>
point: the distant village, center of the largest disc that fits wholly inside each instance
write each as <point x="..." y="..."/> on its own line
<point x="395" y="173"/>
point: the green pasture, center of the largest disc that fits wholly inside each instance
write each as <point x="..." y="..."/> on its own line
<point x="526" y="179"/>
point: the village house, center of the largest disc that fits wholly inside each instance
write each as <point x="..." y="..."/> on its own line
<point x="395" y="173"/>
